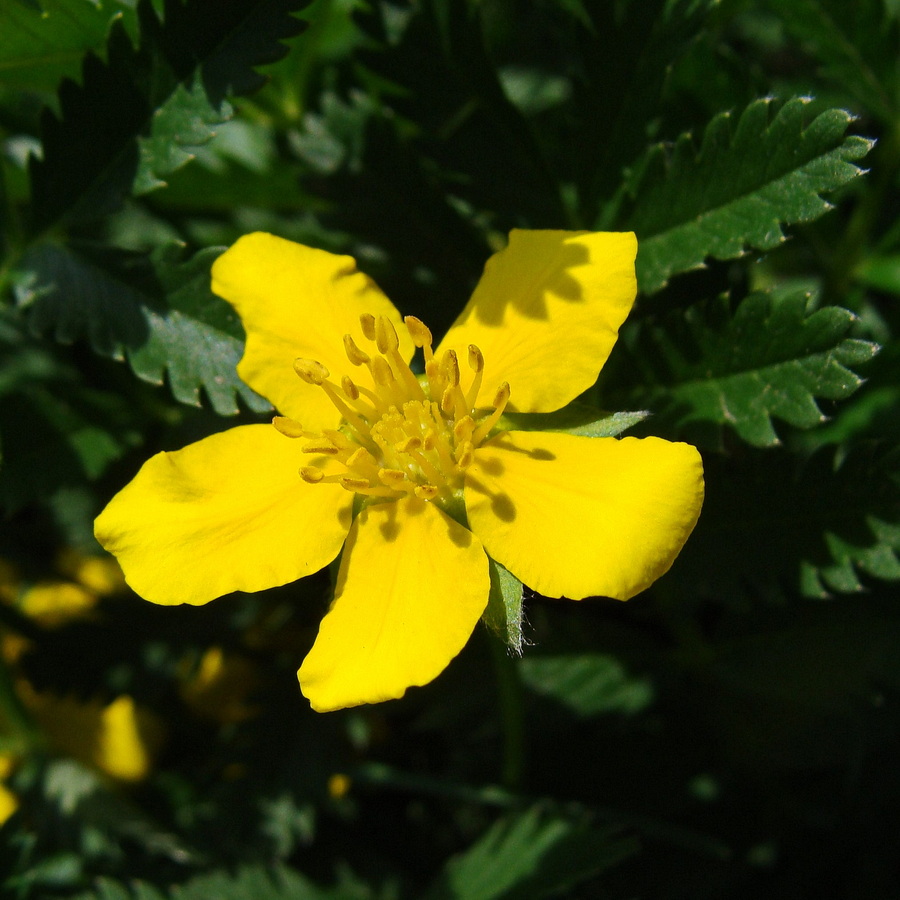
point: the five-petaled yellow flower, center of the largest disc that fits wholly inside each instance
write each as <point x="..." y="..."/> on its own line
<point x="411" y="475"/>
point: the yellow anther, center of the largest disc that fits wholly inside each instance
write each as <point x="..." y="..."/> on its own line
<point x="381" y="371"/>
<point x="339" y="440"/>
<point x="418" y="331"/>
<point x="311" y="371"/>
<point x="354" y="484"/>
<point x="391" y="477"/>
<point x="465" y="454"/>
<point x="323" y="447"/>
<point x="361" y="458"/>
<point x="289" y="427"/>
<point x="463" y="429"/>
<point x="502" y="396"/>
<point x="426" y="492"/>
<point x="411" y="443"/>
<point x="450" y="367"/>
<point x="354" y="354"/>
<point x="385" y="335"/>
<point x="349" y="388"/>
<point x="476" y="358"/>
<point x="311" y="475"/>
<point x="448" y="399"/>
<point x="485" y="426"/>
<point x="367" y="323"/>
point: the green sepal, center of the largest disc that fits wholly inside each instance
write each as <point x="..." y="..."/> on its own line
<point x="576" y="418"/>
<point x="503" y="614"/>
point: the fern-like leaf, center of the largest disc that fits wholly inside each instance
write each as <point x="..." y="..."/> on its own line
<point x="161" y="316"/>
<point x="748" y="179"/>
<point x="530" y="854"/>
<point x="774" y="357"/>
<point x="134" y="118"/>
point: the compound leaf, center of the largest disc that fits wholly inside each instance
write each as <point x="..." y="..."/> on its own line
<point x="134" y="118"/>
<point x="44" y="43"/>
<point x="747" y="180"/>
<point x="775" y="356"/>
<point x="160" y="314"/>
<point x="530" y="854"/>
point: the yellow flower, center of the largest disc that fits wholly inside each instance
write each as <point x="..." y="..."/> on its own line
<point x="219" y="687"/>
<point x="119" y="738"/>
<point x="410" y="475"/>
<point x="9" y="802"/>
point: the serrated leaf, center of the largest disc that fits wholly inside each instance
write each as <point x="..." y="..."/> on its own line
<point x="750" y="177"/>
<point x="43" y="43"/>
<point x="587" y="684"/>
<point x="184" y="123"/>
<point x="530" y="854"/>
<point x="503" y="614"/>
<point x="774" y="357"/>
<point x="576" y="418"/>
<point x="163" y="318"/>
<point x="135" y="117"/>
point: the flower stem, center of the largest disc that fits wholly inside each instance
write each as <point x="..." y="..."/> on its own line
<point x="512" y="718"/>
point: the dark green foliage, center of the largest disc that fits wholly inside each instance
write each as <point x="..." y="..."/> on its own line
<point x="44" y="42"/>
<point x="750" y="175"/>
<point x="531" y="854"/>
<point x="729" y="733"/>
<point x="773" y="356"/>
<point x="157" y="312"/>
<point x="117" y="126"/>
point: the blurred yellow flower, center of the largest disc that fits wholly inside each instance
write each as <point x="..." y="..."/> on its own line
<point x="9" y="802"/>
<point x="118" y="738"/>
<point x="410" y="474"/>
<point x="219" y="687"/>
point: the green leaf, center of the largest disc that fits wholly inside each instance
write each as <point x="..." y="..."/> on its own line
<point x="45" y="42"/>
<point x="135" y="117"/>
<point x="576" y="418"/>
<point x="773" y="357"/>
<point x="160" y="314"/>
<point x="530" y="854"/>
<point x="588" y="684"/>
<point x="183" y="124"/>
<point x="747" y="180"/>
<point x="504" y="610"/>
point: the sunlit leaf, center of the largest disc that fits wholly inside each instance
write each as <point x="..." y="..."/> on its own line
<point x="750" y="176"/>
<point x="135" y="117"/>
<point x="775" y="356"/>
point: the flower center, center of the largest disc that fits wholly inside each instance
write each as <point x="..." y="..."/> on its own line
<point x="404" y="434"/>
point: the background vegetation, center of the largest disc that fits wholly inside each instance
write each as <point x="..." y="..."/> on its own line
<point x="732" y="732"/>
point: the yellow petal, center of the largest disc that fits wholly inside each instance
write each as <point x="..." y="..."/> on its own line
<point x="119" y="738"/>
<point x="228" y="513"/>
<point x="295" y="301"/>
<point x="578" y="517"/>
<point x="413" y="584"/>
<point x="546" y="314"/>
<point x="9" y="803"/>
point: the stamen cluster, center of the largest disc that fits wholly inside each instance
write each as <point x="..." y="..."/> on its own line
<point x="404" y="435"/>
